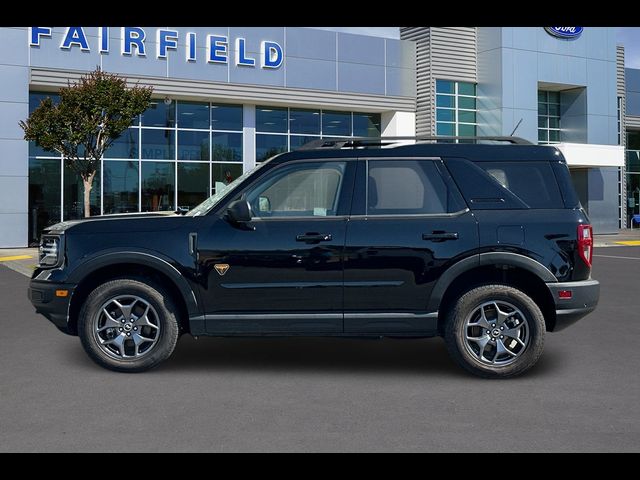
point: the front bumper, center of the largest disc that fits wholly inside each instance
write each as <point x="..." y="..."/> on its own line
<point x="54" y="308"/>
<point x="584" y="299"/>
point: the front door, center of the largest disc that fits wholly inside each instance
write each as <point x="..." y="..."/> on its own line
<point x="282" y="272"/>
<point x="412" y="225"/>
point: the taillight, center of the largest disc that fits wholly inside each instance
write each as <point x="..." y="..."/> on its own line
<point x="585" y="243"/>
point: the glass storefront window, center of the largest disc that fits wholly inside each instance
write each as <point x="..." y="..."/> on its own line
<point x="227" y="147"/>
<point x="74" y="195"/>
<point x="226" y="117"/>
<point x="193" y="145"/>
<point x="445" y="86"/>
<point x="158" y="186"/>
<point x="548" y="117"/>
<point x="456" y="112"/>
<point x="269" y="145"/>
<point x="159" y="114"/>
<point x="125" y="146"/>
<point x="272" y="119"/>
<point x="158" y="144"/>
<point x="121" y="186"/>
<point x="297" y="141"/>
<point x="44" y="195"/>
<point x="445" y="115"/>
<point x="305" y="121"/>
<point x="193" y="115"/>
<point x="366" y="124"/>
<point x="336" y="124"/>
<point x="223" y="174"/>
<point x="193" y="184"/>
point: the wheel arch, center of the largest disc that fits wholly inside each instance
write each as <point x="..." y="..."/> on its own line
<point x="505" y="268"/>
<point x="110" y="265"/>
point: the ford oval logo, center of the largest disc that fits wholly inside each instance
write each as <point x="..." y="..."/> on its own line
<point x="564" y="32"/>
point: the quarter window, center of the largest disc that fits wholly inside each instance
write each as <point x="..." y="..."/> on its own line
<point x="408" y="187"/>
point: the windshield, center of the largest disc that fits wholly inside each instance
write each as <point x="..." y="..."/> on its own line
<point x="213" y="200"/>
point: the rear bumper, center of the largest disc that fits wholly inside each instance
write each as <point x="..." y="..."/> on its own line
<point x="584" y="299"/>
<point x="55" y="309"/>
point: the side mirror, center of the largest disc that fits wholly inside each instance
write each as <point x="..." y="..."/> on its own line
<point x="181" y="210"/>
<point x="239" y="212"/>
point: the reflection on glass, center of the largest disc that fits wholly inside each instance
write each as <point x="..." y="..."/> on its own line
<point x="445" y="115"/>
<point x="193" y="145"/>
<point x="445" y="86"/>
<point x="447" y="101"/>
<point x="366" y="124"/>
<point x="158" y="186"/>
<point x="193" y="184"/>
<point x="226" y="117"/>
<point x="336" y="123"/>
<point x="121" y="186"/>
<point x="159" y="114"/>
<point x="44" y="195"/>
<point x="465" y="88"/>
<point x="271" y="119"/>
<point x="298" y="141"/>
<point x="193" y="115"/>
<point x="305" y="121"/>
<point x="467" y="102"/>
<point x="466" y="130"/>
<point x="269" y="145"/>
<point x="447" y="129"/>
<point x="222" y="174"/>
<point x="158" y="144"/>
<point x="74" y="195"/>
<point x="125" y="146"/>
<point x="466" y="116"/>
<point x="227" y="147"/>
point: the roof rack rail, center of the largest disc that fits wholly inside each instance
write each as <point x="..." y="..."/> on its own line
<point x="364" y="142"/>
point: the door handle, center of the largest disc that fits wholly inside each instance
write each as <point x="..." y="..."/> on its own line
<point x="314" y="237"/>
<point x="440" y="236"/>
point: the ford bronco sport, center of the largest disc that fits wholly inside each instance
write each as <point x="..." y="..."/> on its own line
<point x="484" y="243"/>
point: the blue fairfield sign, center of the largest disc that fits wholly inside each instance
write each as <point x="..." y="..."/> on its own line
<point x="132" y="43"/>
<point x="564" y="32"/>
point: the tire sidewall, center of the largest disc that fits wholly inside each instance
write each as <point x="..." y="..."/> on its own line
<point x="456" y="331"/>
<point x="150" y="292"/>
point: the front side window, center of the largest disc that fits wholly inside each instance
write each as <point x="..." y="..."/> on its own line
<point x="408" y="187"/>
<point x="307" y="190"/>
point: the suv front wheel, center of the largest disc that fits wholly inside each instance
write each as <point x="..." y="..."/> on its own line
<point x="128" y="324"/>
<point x="495" y="331"/>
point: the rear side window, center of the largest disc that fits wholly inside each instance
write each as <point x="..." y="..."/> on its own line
<point x="533" y="182"/>
<point x="409" y="187"/>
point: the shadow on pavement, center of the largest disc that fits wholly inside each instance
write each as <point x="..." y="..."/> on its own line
<point x="319" y="355"/>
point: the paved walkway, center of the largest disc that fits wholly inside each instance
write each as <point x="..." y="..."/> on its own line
<point x="24" y="260"/>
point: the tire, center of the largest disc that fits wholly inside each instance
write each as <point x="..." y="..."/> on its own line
<point x="502" y="356"/>
<point x="133" y="338"/>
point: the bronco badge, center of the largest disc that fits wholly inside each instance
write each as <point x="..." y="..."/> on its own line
<point x="221" y="268"/>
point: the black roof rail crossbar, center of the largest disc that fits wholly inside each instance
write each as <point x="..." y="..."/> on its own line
<point x="362" y="142"/>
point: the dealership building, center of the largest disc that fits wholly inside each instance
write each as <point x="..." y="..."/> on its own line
<point x="227" y="98"/>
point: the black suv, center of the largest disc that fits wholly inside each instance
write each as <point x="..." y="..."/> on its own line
<point x="484" y="243"/>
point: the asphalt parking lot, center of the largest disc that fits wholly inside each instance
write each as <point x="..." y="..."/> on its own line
<point x="326" y="394"/>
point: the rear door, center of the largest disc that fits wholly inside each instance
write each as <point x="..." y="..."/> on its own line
<point x="409" y="223"/>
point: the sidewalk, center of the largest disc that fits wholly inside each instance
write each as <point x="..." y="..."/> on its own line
<point x="624" y="238"/>
<point x="24" y="260"/>
<point x="21" y="260"/>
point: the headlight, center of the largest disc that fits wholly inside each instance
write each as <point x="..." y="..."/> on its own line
<point x="49" y="251"/>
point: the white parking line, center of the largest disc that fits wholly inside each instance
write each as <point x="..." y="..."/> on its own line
<point x="612" y="256"/>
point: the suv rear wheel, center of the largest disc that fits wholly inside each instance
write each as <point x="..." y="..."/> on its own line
<point x="495" y="331"/>
<point x="128" y="324"/>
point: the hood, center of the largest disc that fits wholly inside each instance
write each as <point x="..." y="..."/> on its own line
<point x="136" y="219"/>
